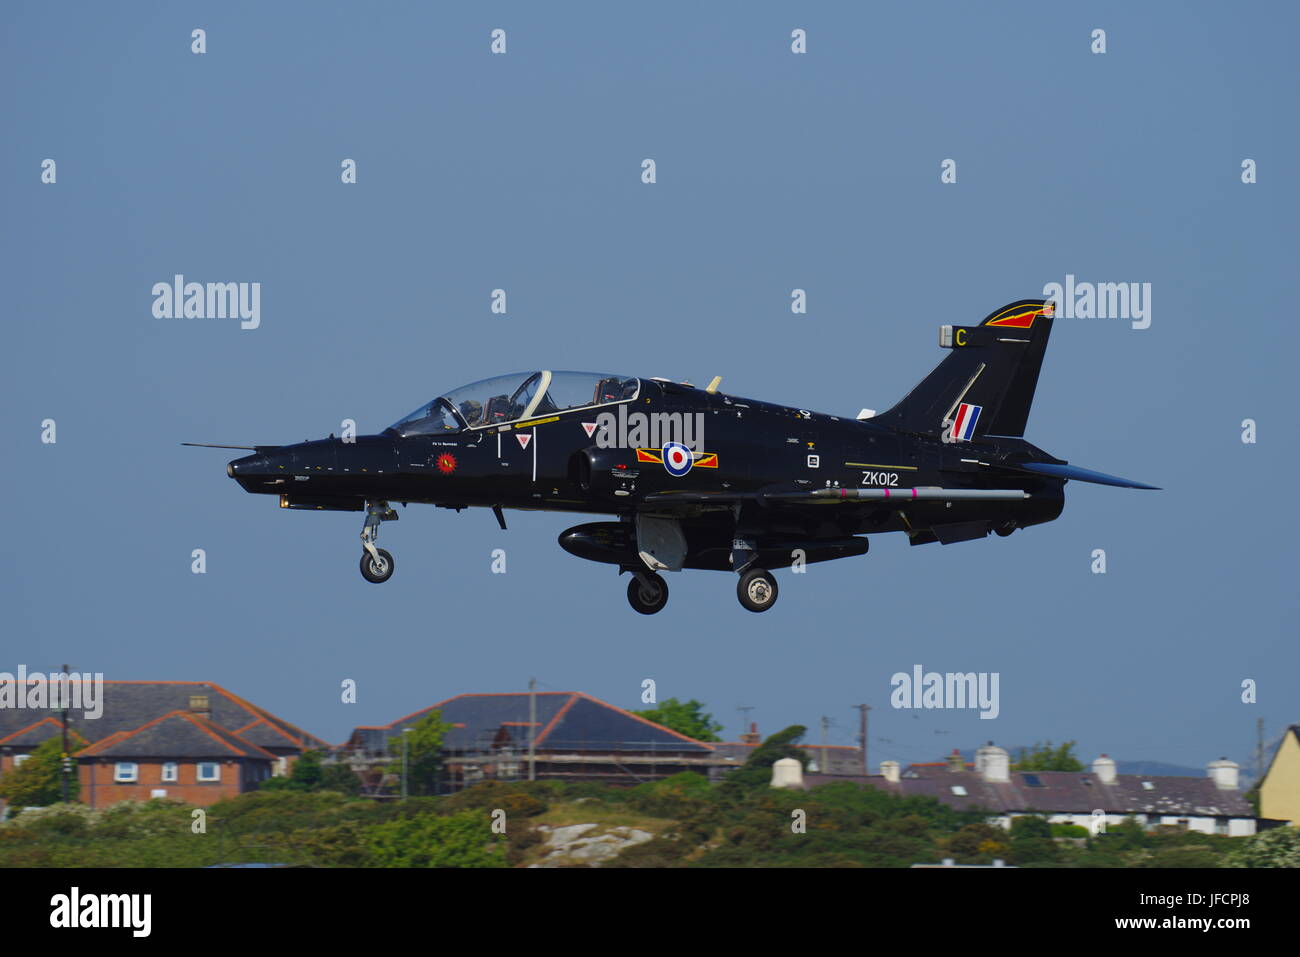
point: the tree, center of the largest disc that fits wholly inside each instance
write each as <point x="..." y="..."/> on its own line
<point x="341" y="778"/>
<point x="310" y="774"/>
<point x="1031" y="840"/>
<point x="423" y="755"/>
<point x="1043" y="757"/>
<point x="757" y="771"/>
<point x="38" y="781"/>
<point x="684" y="717"/>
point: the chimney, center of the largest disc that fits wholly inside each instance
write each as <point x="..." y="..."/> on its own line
<point x="1104" y="768"/>
<point x="199" y="705"/>
<point x="1224" y="773"/>
<point x="892" y="771"/>
<point x="787" y="773"/>
<point x="753" y="737"/>
<point x="993" y="764"/>
<point x="956" y="762"/>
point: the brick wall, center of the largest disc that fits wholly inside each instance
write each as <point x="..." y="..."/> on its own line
<point x="98" y="788"/>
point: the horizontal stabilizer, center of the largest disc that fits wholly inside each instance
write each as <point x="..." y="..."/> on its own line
<point x="1078" y="474"/>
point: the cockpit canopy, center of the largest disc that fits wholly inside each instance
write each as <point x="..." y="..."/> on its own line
<point x="509" y="398"/>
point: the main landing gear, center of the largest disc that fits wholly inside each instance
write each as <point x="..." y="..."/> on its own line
<point x="647" y="592"/>
<point x="757" y="589"/>
<point x="376" y="563"/>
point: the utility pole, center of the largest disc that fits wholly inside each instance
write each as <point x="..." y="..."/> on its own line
<point x="826" y="764"/>
<point x="405" y="739"/>
<point x="66" y="763"/>
<point x="532" y="729"/>
<point x="862" y="734"/>
<point x="1259" y="750"/>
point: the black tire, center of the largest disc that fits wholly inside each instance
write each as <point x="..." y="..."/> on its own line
<point x="647" y="604"/>
<point x="372" y="572"/>
<point x="757" y="589"/>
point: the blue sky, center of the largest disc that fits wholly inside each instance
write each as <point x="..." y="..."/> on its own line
<point x="776" y="171"/>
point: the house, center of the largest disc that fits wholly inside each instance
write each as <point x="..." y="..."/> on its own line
<point x="192" y="741"/>
<point x="826" y="762"/>
<point x="1279" y="789"/>
<point x="575" y="737"/>
<point x="178" y="755"/>
<point x="1213" y="804"/>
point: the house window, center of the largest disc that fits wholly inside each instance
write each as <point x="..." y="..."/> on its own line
<point x="209" y="771"/>
<point x="20" y="758"/>
<point x="958" y="790"/>
<point x="126" y="772"/>
<point x="170" y="771"/>
<point x="198" y="702"/>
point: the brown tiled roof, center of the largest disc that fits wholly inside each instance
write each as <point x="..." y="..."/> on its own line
<point x="128" y="705"/>
<point x="36" y="733"/>
<point x="178" y="734"/>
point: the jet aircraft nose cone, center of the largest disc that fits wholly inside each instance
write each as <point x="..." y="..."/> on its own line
<point x="255" y="464"/>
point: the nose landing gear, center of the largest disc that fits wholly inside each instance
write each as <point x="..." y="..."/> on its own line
<point x="376" y="563"/>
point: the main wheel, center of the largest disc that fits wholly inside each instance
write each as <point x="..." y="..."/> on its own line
<point x="647" y="600"/>
<point x="377" y="571"/>
<point x="757" y="589"/>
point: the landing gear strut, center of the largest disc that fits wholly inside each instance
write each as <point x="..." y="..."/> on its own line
<point x="757" y="589"/>
<point x="647" y="592"/>
<point x="376" y="563"/>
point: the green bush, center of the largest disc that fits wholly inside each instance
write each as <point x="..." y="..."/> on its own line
<point x="457" y="840"/>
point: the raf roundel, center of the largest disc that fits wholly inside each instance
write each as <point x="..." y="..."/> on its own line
<point x="677" y="459"/>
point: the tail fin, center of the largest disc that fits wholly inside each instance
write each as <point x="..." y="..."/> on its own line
<point x="985" y="387"/>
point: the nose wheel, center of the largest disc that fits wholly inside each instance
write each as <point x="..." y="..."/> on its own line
<point x="647" y="592"/>
<point x="376" y="563"/>
<point x="377" y="569"/>
<point x="757" y="590"/>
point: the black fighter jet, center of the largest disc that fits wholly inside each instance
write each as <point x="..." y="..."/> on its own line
<point x="696" y="478"/>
